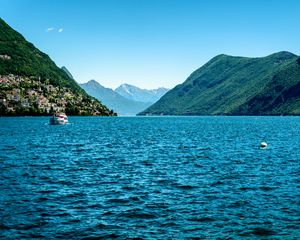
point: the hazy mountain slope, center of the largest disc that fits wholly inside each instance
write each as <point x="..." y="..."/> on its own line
<point x="142" y="95"/>
<point x="30" y="79"/>
<point x="113" y="100"/>
<point x="229" y="85"/>
<point x="67" y="72"/>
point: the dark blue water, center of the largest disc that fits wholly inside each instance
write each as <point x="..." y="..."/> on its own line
<point x="150" y="178"/>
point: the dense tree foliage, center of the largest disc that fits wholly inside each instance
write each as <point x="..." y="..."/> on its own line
<point x="229" y="85"/>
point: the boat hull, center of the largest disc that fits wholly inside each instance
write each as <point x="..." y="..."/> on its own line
<point x="58" y="120"/>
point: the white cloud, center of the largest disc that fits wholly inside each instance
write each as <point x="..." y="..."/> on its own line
<point x="60" y="30"/>
<point x="50" y="29"/>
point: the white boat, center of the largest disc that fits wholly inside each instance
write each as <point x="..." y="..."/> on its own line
<point x="59" y="119"/>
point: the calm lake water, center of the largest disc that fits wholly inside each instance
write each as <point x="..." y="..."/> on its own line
<point x="150" y="178"/>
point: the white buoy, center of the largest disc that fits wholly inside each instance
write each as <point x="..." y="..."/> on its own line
<point x="263" y="144"/>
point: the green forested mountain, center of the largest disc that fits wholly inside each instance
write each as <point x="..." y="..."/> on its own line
<point x="228" y="85"/>
<point x="32" y="84"/>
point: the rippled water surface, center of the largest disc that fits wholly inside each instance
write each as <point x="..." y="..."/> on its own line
<point x="150" y="178"/>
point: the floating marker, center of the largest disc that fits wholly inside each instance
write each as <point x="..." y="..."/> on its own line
<point x="263" y="144"/>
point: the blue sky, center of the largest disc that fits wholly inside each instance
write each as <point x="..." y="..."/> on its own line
<point x="152" y="43"/>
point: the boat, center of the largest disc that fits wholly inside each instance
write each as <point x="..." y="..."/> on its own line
<point x="59" y="119"/>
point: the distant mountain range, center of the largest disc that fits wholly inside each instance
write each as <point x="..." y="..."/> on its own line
<point x="120" y="104"/>
<point x="228" y="85"/>
<point x="141" y="95"/>
<point x="32" y="84"/>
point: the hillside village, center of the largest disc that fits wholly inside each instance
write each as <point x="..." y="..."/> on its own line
<point x="29" y="96"/>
